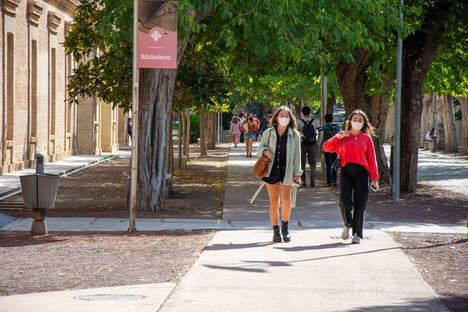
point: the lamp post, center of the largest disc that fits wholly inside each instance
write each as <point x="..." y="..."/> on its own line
<point x="396" y="167"/>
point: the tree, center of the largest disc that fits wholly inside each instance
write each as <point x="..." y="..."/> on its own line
<point x="155" y="99"/>
<point x="100" y="41"/>
<point x="106" y="26"/>
<point x="439" y="23"/>
<point x="448" y="76"/>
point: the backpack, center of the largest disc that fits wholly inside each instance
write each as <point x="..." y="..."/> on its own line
<point x="310" y="135"/>
<point x="330" y="132"/>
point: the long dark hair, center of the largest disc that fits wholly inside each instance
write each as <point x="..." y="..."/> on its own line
<point x="366" y="127"/>
<point x="292" y="120"/>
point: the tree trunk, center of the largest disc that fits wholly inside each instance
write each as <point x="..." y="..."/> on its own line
<point x="352" y="81"/>
<point x="156" y="87"/>
<point x="298" y="110"/>
<point x="419" y="50"/>
<point x="170" y="150"/>
<point x="184" y="132"/>
<point x="439" y="127"/>
<point x="331" y="101"/>
<point x="202" y="132"/>
<point x="180" y="135"/>
<point x="425" y="118"/>
<point x="464" y="111"/>
<point x="449" y="124"/>
<point x="211" y="131"/>
<point x="187" y="136"/>
<point x="155" y="100"/>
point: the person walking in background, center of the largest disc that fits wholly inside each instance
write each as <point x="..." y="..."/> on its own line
<point x="328" y="131"/>
<point x="235" y="130"/>
<point x="281" y="144"/>
<point x="265" y="124"/>
<point x="257" y="122"/>
<point x="129" y="129"/>
<point x="250" y="128"/>
<point x="308" y="145"/>
<point x="241" y="118"/>
<point x="356" y="152"/>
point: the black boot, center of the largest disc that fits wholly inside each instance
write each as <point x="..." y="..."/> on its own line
<point x="276" y="234"/>
<point x="285" y="231"/>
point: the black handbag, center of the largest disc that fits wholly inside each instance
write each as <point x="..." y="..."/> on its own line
<point x="337" y="163"/>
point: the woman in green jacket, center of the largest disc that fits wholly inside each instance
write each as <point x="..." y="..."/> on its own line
<point x="282" y="145"/>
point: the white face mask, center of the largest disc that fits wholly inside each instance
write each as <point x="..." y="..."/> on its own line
<point x="283" y="121"/>
<point x="356" y="125"/>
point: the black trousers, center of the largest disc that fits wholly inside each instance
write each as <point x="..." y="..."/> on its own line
<point x="331" y="173"/>
<point x="309" y="152"/>
<point x="354" y="187"/>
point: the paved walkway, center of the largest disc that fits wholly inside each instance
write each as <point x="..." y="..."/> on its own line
<point x="242" y="270"/>
<point x="10" y="182"/>
<point x="444" y="170"/>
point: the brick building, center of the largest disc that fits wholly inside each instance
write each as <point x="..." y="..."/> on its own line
<point x="35" y="115"/>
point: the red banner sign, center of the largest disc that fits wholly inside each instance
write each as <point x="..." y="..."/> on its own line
<point x="157" y="34"/>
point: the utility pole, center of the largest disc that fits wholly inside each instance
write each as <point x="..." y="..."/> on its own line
<point x="396" y="156"/>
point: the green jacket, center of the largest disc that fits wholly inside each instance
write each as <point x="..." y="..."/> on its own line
<point x="293" y="153"/>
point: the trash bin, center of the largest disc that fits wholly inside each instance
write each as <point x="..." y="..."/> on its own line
<point x="39" y="191"/>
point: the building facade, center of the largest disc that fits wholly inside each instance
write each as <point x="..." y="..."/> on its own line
<point x="35" y="115"/>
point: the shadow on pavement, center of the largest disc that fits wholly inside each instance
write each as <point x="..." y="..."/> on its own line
<point x="236" y="246"/>
<point x="421" y="305"/>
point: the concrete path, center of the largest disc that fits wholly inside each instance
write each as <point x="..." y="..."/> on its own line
<point x="317" y="271"/>
<point x="444" y="170"/>
<point x="242" y="270"/>
<point x="120" y="225"/>
<point x="141" y="298"/>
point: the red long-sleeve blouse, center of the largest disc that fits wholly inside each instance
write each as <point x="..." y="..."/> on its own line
<point x="356" y="149"/>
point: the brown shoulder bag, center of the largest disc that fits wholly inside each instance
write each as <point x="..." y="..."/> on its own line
<point x="261" y="165"/>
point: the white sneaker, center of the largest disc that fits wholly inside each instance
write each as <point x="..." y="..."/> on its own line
<point x="356" y="239"/>
<point x="345" y="233"/>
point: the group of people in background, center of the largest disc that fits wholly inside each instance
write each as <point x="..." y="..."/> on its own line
<point x="289" y="143"/>
<point x="245" y="128"/>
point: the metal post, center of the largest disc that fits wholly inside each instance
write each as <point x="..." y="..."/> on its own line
<point x="396" y="167"/>
<point x="134" y="162"/>
<point x="323" y="97"/>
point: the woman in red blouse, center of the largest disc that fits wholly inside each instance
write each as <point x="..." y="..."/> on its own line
<point x="355" y="149"/>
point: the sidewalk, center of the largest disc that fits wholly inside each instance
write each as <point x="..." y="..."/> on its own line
<point x="10" y="182"/>
<point x="443" y="170"/>
<point x="242" y="270"/>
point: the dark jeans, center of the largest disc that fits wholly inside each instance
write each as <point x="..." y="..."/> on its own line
<point x="354" y="178"/>
<point x="331" y="174"/>
<point x="310" y="151"/>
